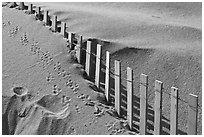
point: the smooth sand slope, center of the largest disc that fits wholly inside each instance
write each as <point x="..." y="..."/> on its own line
<point x="162" y="40"/>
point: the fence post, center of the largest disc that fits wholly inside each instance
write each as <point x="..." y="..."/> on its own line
<point x="54" y="23"/>
<point x="21" y="6"/>
<point x="192" y="114"/>
<point x="158" y="107"/>
<point x="98" y="66"/>
<point x="78" y="51"/>
<point x="70" y="38"/>
<point x="88" y="56"/>
<point x="107" y="84"/>
<point x="174" y="111"/>
<point x="63" y="29"/>
<point x="30" y="8"/>
<point x="46" y="17"/>
<point x="130" y="97"/>
<point x="143" y="103"/>
<point x="38" y="12"/>
<point x="117" y="86"/>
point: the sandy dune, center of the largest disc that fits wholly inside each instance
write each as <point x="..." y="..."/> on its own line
<point x="162" y="40"/>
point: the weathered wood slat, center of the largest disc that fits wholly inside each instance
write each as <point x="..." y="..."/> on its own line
<point x="130" y="97"/>
<point x="88" y="56"/>
<point x="63" y="29"/>
<point x="118" y="87"/>
<point x="174" y="111"/>
<point x="98" y="66"/>
<point x="30" y="8"/>
<point x="158" y="107"/>
<point x="192" y="114"/>
<point x="78" y="51"/>
<point x="38" y="12"/>
<point x="143" y="103"/>
<point x="21" y="6"/>
<point x="54" y="23"/>
<point x="107" y="84"/>
<point x="46" y="17"/>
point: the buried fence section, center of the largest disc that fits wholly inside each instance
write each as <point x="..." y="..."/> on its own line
<point x="174" y="111"/>
<point x="88" y="57"/>
<point x="192" y="114"/>
<point x="117" y="86"/>
<point x="98" y="66"/>
<point x="54" y="23"/>
<point x="79" y="49"/>
<point x="158" y="107"/>
<point x="130" y="97"/>
<point x="46" y="17"/>
<point x="143" y="103"/>
<point x="107" y="78"/>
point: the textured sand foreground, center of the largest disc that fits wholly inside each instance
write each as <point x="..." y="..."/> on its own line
<point x="166" y="45"/>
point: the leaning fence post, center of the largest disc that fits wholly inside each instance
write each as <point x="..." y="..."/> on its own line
<point x="158" y="107"/>
<point x="192" y="114"/>
<point x="78" y="50"/>
<point x="174" y="111"/>
<point x="54" y="23"/>
<point x="130" y="97"/>
<point x="46" y="17"/>
<point x="88" y="56"/>
<point x="98" y="66"/>
<point x="63" y="29"/>
<point x="143" y="103"/>
<point x="107" y="84"/>
<point x="117" y="87"/>
<point x="21" y="6"/>
<point x="30" y="8"/>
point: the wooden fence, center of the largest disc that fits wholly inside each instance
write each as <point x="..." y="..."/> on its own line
<point x="75" y="43"/>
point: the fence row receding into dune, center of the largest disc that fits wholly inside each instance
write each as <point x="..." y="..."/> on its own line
<point x="76" y="43"/>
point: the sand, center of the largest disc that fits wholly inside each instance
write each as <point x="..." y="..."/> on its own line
<point x="162" y="40"/>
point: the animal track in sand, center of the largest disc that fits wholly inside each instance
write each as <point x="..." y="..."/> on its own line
<point x="56" y="90"/>
<point x="24" y="40"/>
<point x="8" y="23"/>
<point x="14" y="31"/>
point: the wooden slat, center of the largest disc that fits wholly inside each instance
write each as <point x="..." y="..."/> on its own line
<point x="107" y="82"/>
<point x="158" y="107"/>
<point x="30" y="8"/>
<point x="78" y="51"/>
<point x="88" y="56"/>
<point x="192" y="114"/>
<point x="174" y="111"/>
<point x="143" y="103"/>
<point x="117" y="87"/>
<point x="22" y="6"/>
<point x="63" y="29"/>
<point x="54" y="23"/>
<point x="38" y="11"/>
<point x="70" y="38"/>
<point x="46" y="17"/>
<point x="130" y="97"/>
<point x="98" y="66"/>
